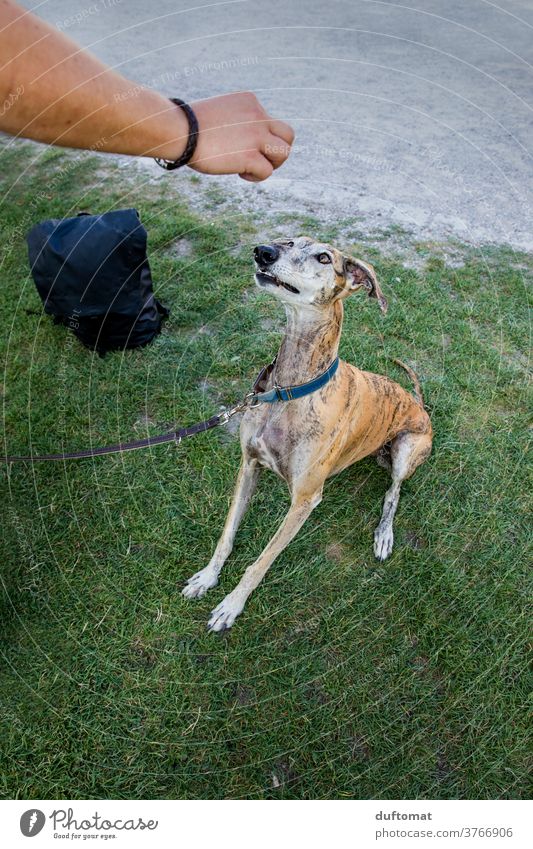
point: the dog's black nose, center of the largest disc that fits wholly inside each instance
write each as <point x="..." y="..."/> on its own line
<point x="266" y="254"/>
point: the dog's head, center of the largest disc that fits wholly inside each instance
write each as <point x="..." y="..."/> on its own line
<point x="302" y="272"/>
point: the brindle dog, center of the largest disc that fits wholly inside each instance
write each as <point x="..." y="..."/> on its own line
<point x="306" y="440"/>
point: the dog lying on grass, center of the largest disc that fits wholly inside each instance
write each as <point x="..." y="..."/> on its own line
<point x="308" y="439"/>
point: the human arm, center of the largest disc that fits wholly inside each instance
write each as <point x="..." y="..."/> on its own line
<point x="54" y="91"/>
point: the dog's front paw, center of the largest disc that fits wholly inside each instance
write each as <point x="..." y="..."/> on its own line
<point x="198" y="584"/>
<point x="225" y="614"/>
<point x="383" y="542"/>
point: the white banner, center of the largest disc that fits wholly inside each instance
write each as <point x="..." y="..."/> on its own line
<point x="236" y="824"/>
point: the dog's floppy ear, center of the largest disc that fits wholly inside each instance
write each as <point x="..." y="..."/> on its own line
<point x="359" y="274"/>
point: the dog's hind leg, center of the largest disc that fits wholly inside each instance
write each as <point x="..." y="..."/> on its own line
<point x="408" y="451"/>
<point x="202" y="581"/>
<point x="227" y="611"/>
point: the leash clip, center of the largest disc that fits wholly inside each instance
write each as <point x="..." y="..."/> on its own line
<point x="247" y="403"/>
<point x="226" y="415"/>
<point x="243" y="405"/>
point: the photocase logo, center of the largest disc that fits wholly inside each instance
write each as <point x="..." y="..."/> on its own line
<point x="31" y="822"/>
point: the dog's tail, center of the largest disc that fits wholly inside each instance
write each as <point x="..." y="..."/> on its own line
<point x="416" y="383"/>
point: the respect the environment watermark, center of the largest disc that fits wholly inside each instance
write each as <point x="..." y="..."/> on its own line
<point x="87" y="12"/>
<point x="186" y="71"/>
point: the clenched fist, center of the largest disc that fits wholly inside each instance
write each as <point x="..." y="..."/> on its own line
<point x="237" y="136"/>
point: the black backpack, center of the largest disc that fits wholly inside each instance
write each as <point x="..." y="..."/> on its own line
<point x="93" y="276"/>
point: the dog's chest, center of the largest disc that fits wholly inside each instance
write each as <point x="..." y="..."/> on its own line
<point x="267" y="446"/>
<point x="266" y="436"/>
<point x="277" y="440"/>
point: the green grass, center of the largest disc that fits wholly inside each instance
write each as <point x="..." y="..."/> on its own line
<point x="344" y="677"/>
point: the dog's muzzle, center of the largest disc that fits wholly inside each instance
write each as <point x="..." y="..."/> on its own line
<point x="265" y="255"/>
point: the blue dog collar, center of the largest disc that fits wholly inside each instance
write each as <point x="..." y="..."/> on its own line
<point x="291" y="393"/>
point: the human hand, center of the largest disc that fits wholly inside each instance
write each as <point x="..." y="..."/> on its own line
<point x="237" y="136"/>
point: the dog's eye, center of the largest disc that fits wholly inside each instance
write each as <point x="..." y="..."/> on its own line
<point x="323" y="258"/>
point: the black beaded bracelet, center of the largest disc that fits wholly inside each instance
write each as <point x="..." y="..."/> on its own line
<point x="192" y="141"/>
